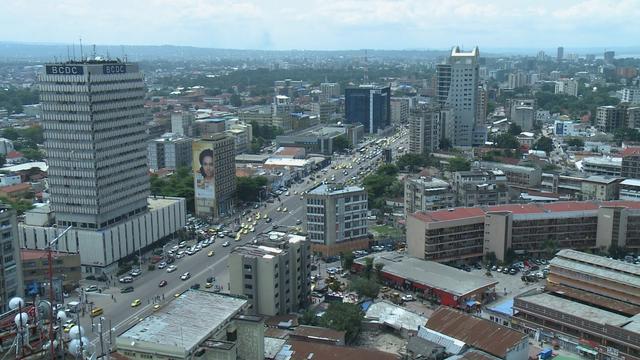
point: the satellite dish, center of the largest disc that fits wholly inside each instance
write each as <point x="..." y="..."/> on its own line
<point x="44" y="309"/>
<point x="21" y="319"/>
<point x="74" y="346"/>
<point x="62" y="316"/>
<point x="15" y="303"/>
<point x="76" y="332"/>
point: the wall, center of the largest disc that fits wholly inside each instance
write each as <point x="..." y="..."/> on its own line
<point x="415" y="237"/>
<point x="497" y="233"/>
<point x="250" y="342"/>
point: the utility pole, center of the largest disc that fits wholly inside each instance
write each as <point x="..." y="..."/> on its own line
<point x="101" y="341"/>
<point x="51" y="297"/>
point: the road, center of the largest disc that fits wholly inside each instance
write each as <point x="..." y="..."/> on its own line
<point x="120" y="315"/>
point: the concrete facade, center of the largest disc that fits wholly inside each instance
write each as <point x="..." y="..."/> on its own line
<point x="11" y="282"/>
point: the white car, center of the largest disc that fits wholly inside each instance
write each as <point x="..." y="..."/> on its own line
<point x="185" y="276"/>
<point x="162" y="265"/>
<point x="225" y="244"/>
<point x="407" y="297"/>
<point x="172" y="268"/>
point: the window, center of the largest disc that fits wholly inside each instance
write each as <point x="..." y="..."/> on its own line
<point x="248" y="286"/>
<point x="248" y="276"/>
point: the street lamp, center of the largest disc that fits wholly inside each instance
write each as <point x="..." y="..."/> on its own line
<point x="49" y="249"/>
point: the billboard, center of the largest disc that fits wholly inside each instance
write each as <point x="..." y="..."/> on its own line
<point x="203" y="170"/>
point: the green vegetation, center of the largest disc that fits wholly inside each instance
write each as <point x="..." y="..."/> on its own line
<point x="24" y="139"/>
<point x="179" y="184"/>
<point x="586" y="102"/>
<point x="341" y="143"/>
<point x="386" y="231"/>
<point x="626" y="134"/>
<point x="413" y="162"/>
<point x="506" y="141"/>
<point x="262" y="135"/>
<point x="575" y="142"/>
<point x="308" y="318"/>
<point x="459" y="164"/>
<point x="12" y="99"/>
<point x="19" y="205"/>
<point x="514" y="129"/>
<point x="343" y="317"/>
<point x="347" y="260"/>
<point x="248" y="188"/>
<point x="365" y="287"/>
<point x="545" y="144"/>
<point x="382" y="185"/>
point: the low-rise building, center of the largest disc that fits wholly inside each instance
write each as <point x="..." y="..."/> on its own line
<point x="427" y="194"/>
<point x="35" y="266"/>
<point x="611" y="166"/>
<point x="169" y="152"/>
<point x="315" y="141"/>
<point x="336" y="219"/>
<point x="516" y="175"/>
<point x="480" y="187"/>
<point x="200" y="323"/>
<point x="630" y="190"/>
<point x="497" y="340"/>
<point x="437" y="282"/>
<point x="274" y="276"/>
<point x="603" y="188"/>
<point x="590" y="307"/>
<point x="10" y="264"/>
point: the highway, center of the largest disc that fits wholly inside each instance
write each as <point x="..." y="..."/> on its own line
<point x="120" y="315"/>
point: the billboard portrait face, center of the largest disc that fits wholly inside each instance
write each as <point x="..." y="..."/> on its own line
<point x="203" y="171"/>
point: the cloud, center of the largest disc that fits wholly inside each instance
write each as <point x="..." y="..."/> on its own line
<point x="324" y="24"/>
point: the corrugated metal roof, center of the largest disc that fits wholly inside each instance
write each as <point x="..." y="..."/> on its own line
<point x="479" y="333"/>
<point x="451" y="345"/>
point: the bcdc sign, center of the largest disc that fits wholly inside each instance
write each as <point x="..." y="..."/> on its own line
<point x="65" y="70"/>
<point x="114" y="69"/>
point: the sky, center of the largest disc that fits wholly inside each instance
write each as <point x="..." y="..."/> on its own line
<point x="326" y="24"/>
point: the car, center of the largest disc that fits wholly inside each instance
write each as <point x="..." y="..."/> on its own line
<point x="162" y="265"/>
<point x="185" y="276"/>
<point x="267" y="220"/>
<point x="298" y="222"/>
<point x="256" y="206"/>
<point x="92" y="288"/>
<point x="284" y="209"/>
<point x="182" y="244"/>
<point x="172" y="268"/>
<point x="195" y="286"/>
<point x="494" y="268"/>
<point x="135" y="272"/>
<point x="225" y="244"/>
<point x="407" y="297"/>
<point x="68" y="325"/>
<point x="175" y="248"/>
<point x="211" y="253"/>
<point x="478" y="266"/>
<point x="126" y="279"/>
<point x="136" y="302"/>
<point x="513" y="271"/>
<point x="287" y="194"/>
<point x="208" y="285"/>
<point x="156" y="307"/>
<point x="162" y="283"/>
<point x="279" y="209"/>
<point x="177" y="295"/>
<point x="211" y="279"/>
<point x="127" y="289"/>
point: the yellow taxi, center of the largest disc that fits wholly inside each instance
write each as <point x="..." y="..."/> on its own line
<point x="208" y="285"/>
<point x="136" y="302"/>
<point x="156" y="307"/>
<point x="210" y="253"/>
<point x="177" y="295"/>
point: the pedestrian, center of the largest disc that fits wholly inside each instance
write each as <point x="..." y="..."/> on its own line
<point x="162" y="296"/>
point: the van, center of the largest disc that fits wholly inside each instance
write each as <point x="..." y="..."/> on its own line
<point x="73" y="307"/>
<point x="97" y="311"/>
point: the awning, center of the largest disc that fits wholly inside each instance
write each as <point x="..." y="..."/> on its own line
<point x="587" y="350"/>
<point x="470" y="303"/>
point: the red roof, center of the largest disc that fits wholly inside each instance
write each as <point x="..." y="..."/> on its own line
<point x="30" y="254"/>
<point x="628" y="204"/>
<point x="303" y="350"/>
<point x="14" y="155"/>
<point x="518" y="208"/>
<point x="632" y="150"/>
<point x="15" y="188"/>
<point x="571" y="206"/>
<point x="449" y="215"/>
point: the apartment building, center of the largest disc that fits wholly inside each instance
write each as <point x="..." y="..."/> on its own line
<point x="182" y="123"/>
<point x="400" y="110"/>
<point x="10" y="265"/>
<point x="214" y="171"/>
<point x="329" y="91"/>
<point x="589" y="307"/>
<point x="243" y="135"/>
<point x="480" y="187"/>
<point x="535" y="230"/>
<point x="424" y="129"/>
<point x="516" y="175"/>
<point x="610" y="118"/>
<point x="336" y="219"/>
<point x="169" y="152"/>
<point x="611" y="166"/>
<point x="630" y="167"/>
<point x="66" y="271"/>
<point x="603" y="188"/>
<point x="630" y="190"/>
<point x="274" y="275"/>
<point x="426" y="193"/>
<point x="567" y="87"/>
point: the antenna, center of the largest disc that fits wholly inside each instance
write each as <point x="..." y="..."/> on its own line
<point x="73" y="46"/>
<point x="81" y="52"/>
<point x="68" y="54"/>
<point x="366" y="68"/>
<point x="94" y="52"/>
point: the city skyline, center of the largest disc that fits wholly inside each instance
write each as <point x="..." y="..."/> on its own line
<point x="319" y="25"/>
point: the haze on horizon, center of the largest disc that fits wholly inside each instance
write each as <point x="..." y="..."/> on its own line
<point x="326" y="24"/>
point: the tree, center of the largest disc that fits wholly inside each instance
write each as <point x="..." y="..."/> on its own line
<point x="509" y="256"/>
<point x="368" y="267"/>
<point x="365" y="287"/>
<point x="379" y="267"/>
<point x="235" y="100"/>
<point x="514" y="129"/>
<point x="507" y="141"/>
<point x="413" y="161"/>
<point x="445" y="144"/>
<point x="343" y="317"/>
<point x="550" y="247"/>
<point x="490" y="258"/>
<point x="179" y="184"/>
<point x="10" y="133"/>
<point x="459" y="164"/>
<point x="347" y="261"/>
<point x="308" y="318"/>
<point x="248" y="188"/>
<point x="341" y="143"/>
<point x="575" y="142"/>
<point x="545" y="144"/>
<point x="33" y="154"/>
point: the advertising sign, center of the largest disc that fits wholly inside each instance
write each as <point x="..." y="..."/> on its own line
<point x="203" y="170"/>
<point x="64" y="69"/>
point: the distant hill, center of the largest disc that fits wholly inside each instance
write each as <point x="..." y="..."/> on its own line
<point x="48" y="52"/>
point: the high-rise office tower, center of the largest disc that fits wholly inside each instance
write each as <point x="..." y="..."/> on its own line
<point x="94" y="129"/>
<point x="424" y="129"/>
<point x="457" y="82"/>
<point x="609" y="56"/>
<point x="560" y="54"/>
<point x="368" y="105"/>
<point x="329" y="91"/>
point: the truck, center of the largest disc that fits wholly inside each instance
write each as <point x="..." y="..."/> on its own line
<point x="73" y="307"/>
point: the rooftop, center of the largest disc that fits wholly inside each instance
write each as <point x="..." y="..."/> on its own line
<point x="479" y="333"/>
<point x="449" y="214"/>
<point x="203" y="312"/>
<point x="601" y="179"/>
<point x="598" y="266"/>
<point x="429" y="273"/>
<point x="303" y="350"/>
<point x="576" y="309"/>
<point x="276" y="161"/>
<point x="319" y="333"/>
<point x="611" y="161"/>
<point x="26" y="166"/>
<point x="27" y="254"/>
<point x="394" y="316"/>
<point x="158" y="202"/>
<point x="332" y="189"/>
